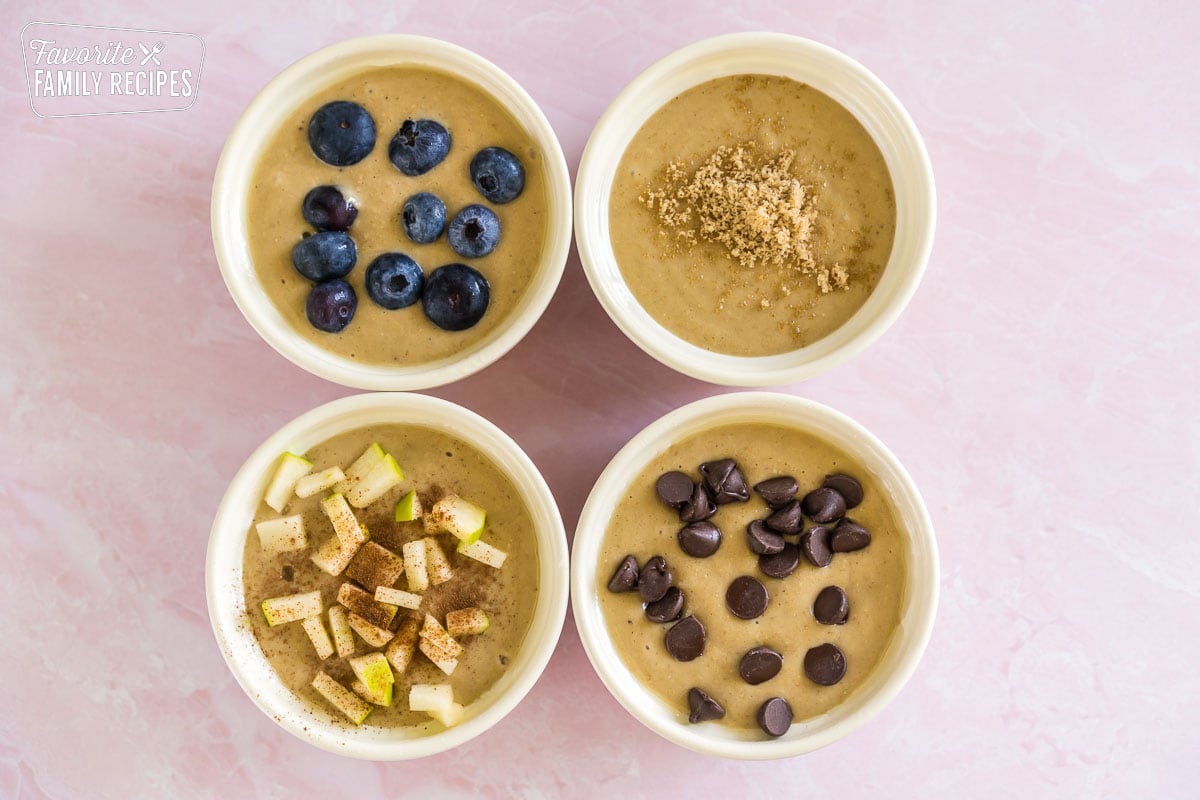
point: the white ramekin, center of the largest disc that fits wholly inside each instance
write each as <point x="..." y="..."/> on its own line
<point x="919" y="603"/>
<point x="258" y="124"/>
<point x="823" y="68"/>
<point x="227" y="604"/>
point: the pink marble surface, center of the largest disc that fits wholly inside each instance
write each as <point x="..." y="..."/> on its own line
<point x="1041" y="388"/>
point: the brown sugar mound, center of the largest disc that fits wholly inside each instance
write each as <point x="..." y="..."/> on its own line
<point x="756" y="208"/>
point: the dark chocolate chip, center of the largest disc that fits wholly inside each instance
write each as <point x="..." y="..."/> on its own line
<point x="823" y="505"/>
<point x="832" y="607"/>
<point x="777" y="491"/>
<point x="815" y="544"/>
<point x="775" y="716"/>
<point x="703" y="706"/>
<point x="674" y="488"/>
<point x="668" y="608"/>
<point x="825" y="664"/>
<point x="849" y="536"/>
<point x="781" y="564"/>
<point x="699" y="506"/>
<point x="654" y="580"/>
<point x="759" y="665"/>
<point x="746" y="597"/>
<point x="700" y="539"/>
<point x="625" y="579"/>
<point x="761" y="540"/>
<point x="849" y="488"/>
<point x="788" y="519"/>
<point x="685" y="639"/>
<point x="725" y="481"/>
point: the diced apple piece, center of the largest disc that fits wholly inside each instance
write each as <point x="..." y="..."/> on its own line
<point x="398" y="597"/>
<point x="333" y="556"/>
<point x="450" y="716"/>
<point x="282" y="535"/>
<point x="446" y="663"/>
<point x="319" y="636"/>
<point x="318" y="482"/>
<point x="292" y="607"/>
<point x="483" y="552"/>
<point x="342" y="698"/>
<point x="408" y="508"/>
<point x="372" y="635"/>
<point x="436" y="563"/>
<point x="343" y="634"/>
<point x="467" y="622"/>
<point x="361" y="466"/>
<point x="291" y="469"/>
<point x="345" y="524"/>
<point x="433" y="632"/>
<point x="462" y="518"/>
<point x="376" y="483"/>
<point x="362" y="691"/>
<point x="400" y="651"/>
<point x="359" y="602"/>
<point x="430" y="697"/>
<point x="374" y="566"/>
<point x="414" y="566"/>
<point x="375" y="673"/>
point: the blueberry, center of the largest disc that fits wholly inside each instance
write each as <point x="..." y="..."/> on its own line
<point x="474" y="232"/>
<point x="497" y="174"/>
<point x="419" y="146"/>
<point x="341" y="133"/>
<point x="456" y="297"/>
<point x="423" y="217"/>
<point x="394" y="280"/>
<point x="331" y="305"/>
<point x="327" y="209"/>
<point x="325" y="255"/>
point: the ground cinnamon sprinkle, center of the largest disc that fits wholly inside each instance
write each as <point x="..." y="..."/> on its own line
<point x="755" y="207"/>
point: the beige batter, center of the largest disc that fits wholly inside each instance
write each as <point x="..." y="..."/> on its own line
<point x="699" y="292"/>
<point x="873" y="579"/>
<point x="289" y="169"/>
<point x="434" y="464"/>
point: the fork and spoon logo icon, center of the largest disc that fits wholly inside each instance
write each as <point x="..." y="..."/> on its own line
<point x="151" y="54"/>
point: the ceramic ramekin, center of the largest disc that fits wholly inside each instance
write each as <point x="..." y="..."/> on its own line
<point x="919" y="601"/>
<point x="823" y="68"/>
<point x="258" y="124"/>
<point x="320" y="725"/>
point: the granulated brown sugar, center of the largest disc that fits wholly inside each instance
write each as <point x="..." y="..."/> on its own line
<point x="755" y="207"/>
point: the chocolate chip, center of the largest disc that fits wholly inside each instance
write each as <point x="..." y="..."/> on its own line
<point x="788" y="519"/>
<point x="775" y="716"/>
<point x="777" y="491"/>
<point x="849" y="536"/>
<point x="700" y="539"/>
<point x="674" y="488"/>
<point x="763" y="541"/>
<point x="625" y="579"/>
<point x="288" y="573"/>
<point x="685" y="640"/>
<point x="746" y="597"/>
<point x="667" y="608"/>
<point x="823" y="505"/>
<point x="654" y="580"/>
<point x="725" y="481"/>
<point x="825" y="664"/>
<point x="849" y="488"/>
<point x="815" y="544"/>
<point x="781" y="564"/>
<point x="699" y="506"/>
<point x="760" y="664"/>
<point x="831" y="607"/>
<point x="703" y="707"/>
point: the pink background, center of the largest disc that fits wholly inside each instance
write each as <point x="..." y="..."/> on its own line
<point x="1041" y="388"/>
